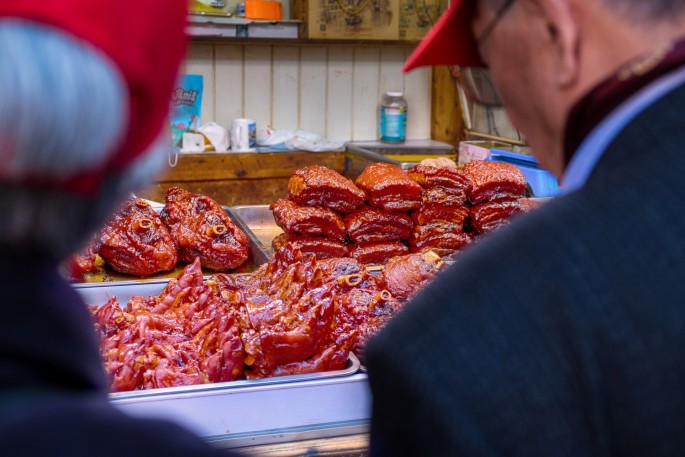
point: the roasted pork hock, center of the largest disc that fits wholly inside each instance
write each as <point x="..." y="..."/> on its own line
<point x="202" y="229"/>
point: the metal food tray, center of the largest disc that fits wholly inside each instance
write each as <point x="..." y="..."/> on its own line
<point x="362" y="154"/>
<point x="99" y="294"/>
<point x="248" y="412"/>
<point x="352" y="367"/>
<point x="257" y="255"/>
<point x="259" y="220"/>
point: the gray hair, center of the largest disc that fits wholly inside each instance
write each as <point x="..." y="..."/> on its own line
<point x="646" y="10"/>
<point x="63" y="110"/>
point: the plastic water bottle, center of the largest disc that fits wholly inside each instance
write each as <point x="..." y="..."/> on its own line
<point x="393" y="118"/>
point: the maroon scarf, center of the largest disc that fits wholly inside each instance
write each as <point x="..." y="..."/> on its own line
<point x="607" y="95"/>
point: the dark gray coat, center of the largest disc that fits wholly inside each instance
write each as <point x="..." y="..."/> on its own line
<point x="562" y="334"/>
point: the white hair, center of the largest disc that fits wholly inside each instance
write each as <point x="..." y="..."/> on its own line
<point x="63" y="111"/>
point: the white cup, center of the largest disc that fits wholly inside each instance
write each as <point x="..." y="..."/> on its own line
<point x="243" y="135"/>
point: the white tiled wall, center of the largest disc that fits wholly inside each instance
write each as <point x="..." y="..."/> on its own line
<point x="333" y="91"/>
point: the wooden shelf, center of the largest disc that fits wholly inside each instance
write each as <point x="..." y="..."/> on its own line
<point x="298" y="41"/>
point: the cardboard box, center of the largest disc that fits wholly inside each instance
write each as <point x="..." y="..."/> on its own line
<point x="353" y="19"/>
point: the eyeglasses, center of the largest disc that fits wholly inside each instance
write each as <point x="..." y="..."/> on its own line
<point x="477" y="86"/>
<point x="480" y="39"/>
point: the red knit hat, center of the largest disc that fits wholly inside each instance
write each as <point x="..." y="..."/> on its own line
<point x="450" y="41"/>
<point x="145" y="39"/>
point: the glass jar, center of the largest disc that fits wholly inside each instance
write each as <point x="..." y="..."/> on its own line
<point x="393" y="118"/>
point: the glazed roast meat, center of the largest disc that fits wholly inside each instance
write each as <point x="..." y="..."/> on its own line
<point x="202" y="229"/>
<point x="135" y="241"/>
<point x="493" y="181"/>
<point x="307" y="220"/>
<point x="388" y="186"/>
<point x="373" y="225"/>
<point x="186" y="335"/>
<point x="377" y="253"/>
<point x="316" y="185"/>
<point x="488" y="216"/>
<point x="293" y="315"/>
<point x="444" y="196"/>
<point x="363" y="306"/>
<point x="321" y="247"/>
<point x="287" y="313"/>
<point x="443" y="185"/>
<point x="403" y="276"/>
<point x="434" y="212"/>
<point x="441" y="237"/>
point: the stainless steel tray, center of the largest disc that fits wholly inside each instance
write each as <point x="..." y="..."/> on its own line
<point x="352" y="367"/>
<point x="256" y="257"/>
<point x="359" y="155"/>
<point x="259" y="220"/>
<point x="99" y="294"/>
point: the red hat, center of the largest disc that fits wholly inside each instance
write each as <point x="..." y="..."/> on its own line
<point x="450" y="41"/>
<point x="146" y="41"/>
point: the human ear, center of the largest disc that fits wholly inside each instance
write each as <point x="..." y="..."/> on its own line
<point x="561" y="37"/>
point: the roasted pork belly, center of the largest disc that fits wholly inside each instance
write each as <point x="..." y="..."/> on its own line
<point x="307" y="220"/>
<point x="491" y="215"/>
<point x="441" y="237"/>
<point x="316" y="185"/>
<point x="493" y="181"/>
<point x="434" y="212"/>
<point x="428" y="176"/>
<point x="377" y="253"/>
<point x="388" y="186"/>
<point x="444" y="196"/>
<point x="373" y="225"/>
<point x="321" y="247"/>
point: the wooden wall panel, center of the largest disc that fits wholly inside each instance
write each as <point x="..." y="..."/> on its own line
<point x="330" y="90"/>
<point x="286" y="88"/>
<point x="229" y="97"/>
<point x="202" y="63"/>
<point x="313" y="85"/>
<point x="366" y="95"/>
<point x="257" y="83"/>
<point x="447" y="123"/>
<point x="339" y="89"/>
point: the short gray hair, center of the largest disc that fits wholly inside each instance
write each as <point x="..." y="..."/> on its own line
<point x="63" y="108"/>
<point x="646" y="10"/>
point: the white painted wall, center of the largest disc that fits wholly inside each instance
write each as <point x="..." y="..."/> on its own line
<point x="334" y="91"/>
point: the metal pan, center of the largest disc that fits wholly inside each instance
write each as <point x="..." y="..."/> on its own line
<point x="352" y="367"/>
<point x="99" y="294"/>
<point x="259" y="220"/>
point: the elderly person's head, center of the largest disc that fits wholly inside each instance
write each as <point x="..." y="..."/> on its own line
<point x="84" y="95"/>
<point x="543" y="55"/>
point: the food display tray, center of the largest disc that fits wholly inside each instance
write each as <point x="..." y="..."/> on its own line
<point x="359" y="155"/>
<point x="248" y="412"/>
<point x="259" y="220"/>
<point x="257" y="256"/>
